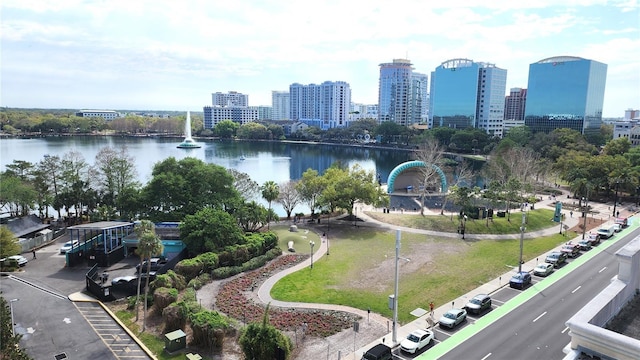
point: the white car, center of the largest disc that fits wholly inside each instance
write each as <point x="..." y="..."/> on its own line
<point x="19" y="259"/>
<point x="543" y="269"/>
<point x="416" y="340"/>
<point x="452" y="318"/>
<point x="68" y="246"/>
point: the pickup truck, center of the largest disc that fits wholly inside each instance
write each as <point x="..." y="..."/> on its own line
<point x="570" y="249"/>
<point x="556" y="258"/>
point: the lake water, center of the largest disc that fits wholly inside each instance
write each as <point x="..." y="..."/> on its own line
<point x="263" y="161"/>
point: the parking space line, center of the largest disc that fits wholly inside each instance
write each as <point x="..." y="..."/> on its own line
<point x="486" y="356"/>
<point x="576" y="289"/>
<point x="539" y="316"/>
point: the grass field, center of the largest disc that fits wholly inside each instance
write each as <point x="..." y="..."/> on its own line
<point x="359" y="271"/>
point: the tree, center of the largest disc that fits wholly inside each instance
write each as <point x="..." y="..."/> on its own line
<point x="270" y="191"/>
<point x="430" y="153"/>
<point x="618" y="146"/>
<point x="252" y="216"/>
<point x="520" y="135"/>
<point x="210" y="230"/>
<point x="289" y="197"/>
<point x="116" y="172"/>
<point x="351" y="186"/>
<point x="8" y="243"/>
<point x="149" y="245"/>
<point x="310" y="187"/>
<point x="9" y="342"/>
<point x="226" y="129"/>
<point x="246" y="187"/>
<point x="263" y="341"/>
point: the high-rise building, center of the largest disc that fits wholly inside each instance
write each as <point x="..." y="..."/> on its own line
<point x="325" y="106"/>
<point x="419" y="98"/>
<point x="394" y="92"/>
<point x="238" y="114"/>
<point x="232" y="98"/>
<point x="565" y="92"/>
<point x="264" y="112"/>
<point x="514" y="104"/>
<point x="468" y="94"/>
<point x="280" y="105"/>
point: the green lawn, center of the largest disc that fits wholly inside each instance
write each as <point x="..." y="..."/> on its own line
<point x="359" y="271"/>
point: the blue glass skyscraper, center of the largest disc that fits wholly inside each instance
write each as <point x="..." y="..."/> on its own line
<point x="468" y="94"/>
<point x="565" y="92"/>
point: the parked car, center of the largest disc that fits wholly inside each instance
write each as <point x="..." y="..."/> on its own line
<point x="543" y="269"/>
<point x="131" y="281"/>
<point x="556" y="258"/>
<point x="570" y="249"/>
<point x="416" y="340"/>
<point x="156" y="264"/>
<point x="593" y="238"/>
<point x="584" y="245"/>
<point x="452" y="318"/>
<point x="623" y="222"/>
<point x="520" y="280"/>
<point x="478" y="304"/>
<point x="18" y="259"/>
<point x="378" y="352"/>
<point x="607" y="231"/>
<point x="68" y="246"/>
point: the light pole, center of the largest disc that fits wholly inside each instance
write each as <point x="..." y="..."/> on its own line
<point x="615" y="198"/>
<point x="13" y="326"/>
<point x="311" y="243"/>
<point x="584" y="224"/>
<point x="395" y="293"/>
<point x="522" y="229"/>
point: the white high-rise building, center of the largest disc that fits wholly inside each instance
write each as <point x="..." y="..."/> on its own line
<point x="232" y="98"/>
<point x="280" y="105"/>
<point x="419" y="98"/>
<point x="325" y="106"/>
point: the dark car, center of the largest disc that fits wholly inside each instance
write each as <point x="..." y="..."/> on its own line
<point x="378" y="352"/>
<point x="584" y="245"/>
<point x="130" y="282"/>
<point x="520" y="280"/>
<point x="556" y="258"/>
<point x="479" y="303"/>
<point x="156" y="264"/>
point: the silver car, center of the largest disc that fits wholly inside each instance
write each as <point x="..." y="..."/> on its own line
<point x="452" y="318"/>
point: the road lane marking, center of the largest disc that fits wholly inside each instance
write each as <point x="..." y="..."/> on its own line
<point x="576" y="289"/>
<point x="486" y="356"/>
<point x="565" y="330"/>
<point x="601" y="270"/>
<point x="541" y="315"/>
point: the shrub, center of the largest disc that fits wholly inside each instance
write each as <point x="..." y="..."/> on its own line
<point x="189" y="268"/>
<point x="209" y="261"/>
<point x="199" y="281"/>
<point x="225" y="272"/>
<point x="163" y="296"/>
<point x="208" y="328"/>
<point x="170" y="280"/>
<point x="174" y="317"/>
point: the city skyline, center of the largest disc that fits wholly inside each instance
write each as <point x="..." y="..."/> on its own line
<point x="173" y="55"/>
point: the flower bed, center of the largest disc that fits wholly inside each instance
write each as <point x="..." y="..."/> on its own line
<point x="232" y="301"/>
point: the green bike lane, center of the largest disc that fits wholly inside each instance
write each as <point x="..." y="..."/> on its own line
<point x="465" y="333"/>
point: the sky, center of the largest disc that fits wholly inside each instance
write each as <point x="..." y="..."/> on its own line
<point x="171" y="55"/>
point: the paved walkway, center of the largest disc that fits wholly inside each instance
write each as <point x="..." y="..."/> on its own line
<point x="570" y="220"/>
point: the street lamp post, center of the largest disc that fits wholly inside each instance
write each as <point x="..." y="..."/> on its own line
<point x="615" y="198"/>
<point x="522" y="229"/>
<point x="585" y="212"/>
<point x="13" y="324"/>
<point x="395" y="293"/>
<point x="311" y="243"/>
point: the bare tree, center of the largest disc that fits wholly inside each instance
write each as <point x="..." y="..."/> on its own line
<point x="247" y="188"/>
<point x="289" y="197"/>
<point x="430" y="153"/>
<point x="464" y="175"/>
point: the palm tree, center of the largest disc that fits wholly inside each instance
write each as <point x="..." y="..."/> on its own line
<point x="142" y="228"/>
<point x="149" y="244"/>
<point x="270" y="191"/>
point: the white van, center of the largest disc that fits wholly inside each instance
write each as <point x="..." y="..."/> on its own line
<point x="607" y="231"/>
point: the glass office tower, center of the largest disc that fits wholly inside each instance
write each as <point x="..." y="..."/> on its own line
<point x="565" y="92"/>
<point x="468" y="94"/>
<point x="394" y="92"/>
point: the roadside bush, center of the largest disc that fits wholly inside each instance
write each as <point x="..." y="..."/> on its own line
<point x="208" y="328"/>
<point x="225" y="272"/>
<point x="189" y="268"/>
<point x="174" y="317"/>
<point x="169" y="280"/>
<point x="209" y="261"/>
<point x="199" y="281"/>
<point x="163" y="296"/>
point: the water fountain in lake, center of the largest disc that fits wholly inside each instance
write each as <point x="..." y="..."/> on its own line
<point x="188" y="142"/>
